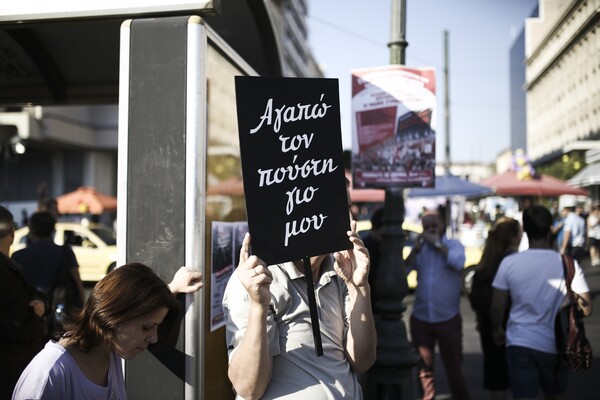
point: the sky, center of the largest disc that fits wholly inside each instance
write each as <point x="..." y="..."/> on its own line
<point x="353" y="34"/>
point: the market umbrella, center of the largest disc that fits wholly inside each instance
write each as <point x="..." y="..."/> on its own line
<point x="86" y="199"/>
<point x="451" y="185"/>
<point x="507" y="184"/>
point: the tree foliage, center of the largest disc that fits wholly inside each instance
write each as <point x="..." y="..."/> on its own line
<point x="564" y="168"/>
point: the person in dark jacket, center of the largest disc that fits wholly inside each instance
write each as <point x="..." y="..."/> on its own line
<point x="48" y="266"/>
<point x="22" y="310"/>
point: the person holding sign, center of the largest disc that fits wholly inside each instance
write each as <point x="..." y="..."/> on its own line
<point x="298" y="308"/>
<point x="269" y="334"/>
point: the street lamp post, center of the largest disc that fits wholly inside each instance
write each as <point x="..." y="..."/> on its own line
<point x="390" y="377"/>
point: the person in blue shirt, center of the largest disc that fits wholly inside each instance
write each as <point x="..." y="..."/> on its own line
<point x="557" y="229"/>
<point x="574" y="234"/>
<point x="436" y="318"/>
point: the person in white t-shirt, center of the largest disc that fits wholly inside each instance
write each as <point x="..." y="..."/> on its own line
<point x="593" y="233"/>
<point x="573" y="243"/>
<point x="129" y="310"/>
<point x="533" y="282"/>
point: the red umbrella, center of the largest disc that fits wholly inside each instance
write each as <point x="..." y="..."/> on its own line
<point x="507" y="184"/>
<point x="86" y="199"/>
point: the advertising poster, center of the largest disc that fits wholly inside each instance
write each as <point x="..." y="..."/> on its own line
<point x="393" y="114"/>
<point x="292" y="164"/>
<point x="227" y="240"/>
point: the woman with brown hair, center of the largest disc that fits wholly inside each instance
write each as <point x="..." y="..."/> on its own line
<point x="503" y="239"/>
<point x="130" y="309"/>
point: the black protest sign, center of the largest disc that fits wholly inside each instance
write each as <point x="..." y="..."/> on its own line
<point x="294" y="182"/>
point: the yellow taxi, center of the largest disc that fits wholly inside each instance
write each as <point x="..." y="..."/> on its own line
<point x="412" y="231"/>
<point x="94" y="246"/>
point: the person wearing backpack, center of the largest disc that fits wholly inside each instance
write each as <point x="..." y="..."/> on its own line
<point x="45" y="264"/>
<point x="533" y="281"/>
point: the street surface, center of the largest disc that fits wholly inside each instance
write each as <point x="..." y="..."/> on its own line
<point x="583" y="384"/>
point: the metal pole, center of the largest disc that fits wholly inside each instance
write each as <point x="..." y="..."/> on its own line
<point x="391" y="375"/>
<point x="398" y="43"/>
<point x="446" y="103"/>
<point x="448" y="216"/>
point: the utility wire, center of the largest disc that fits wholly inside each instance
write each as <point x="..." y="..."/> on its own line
<point x="346" y="31"/>
<point x="364" y="38"/>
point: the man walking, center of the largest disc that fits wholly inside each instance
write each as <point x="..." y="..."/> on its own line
<point x="534" y="282"/>
<point x="574" y="234"/>
<point x="439" y="262"/>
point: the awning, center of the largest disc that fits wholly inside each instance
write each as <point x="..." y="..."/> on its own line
<point x="588" y="176"/>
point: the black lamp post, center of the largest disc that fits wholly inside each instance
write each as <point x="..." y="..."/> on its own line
<point x="390" y="377"/>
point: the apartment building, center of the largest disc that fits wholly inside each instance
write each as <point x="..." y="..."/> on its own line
<point x="562" y="56"/>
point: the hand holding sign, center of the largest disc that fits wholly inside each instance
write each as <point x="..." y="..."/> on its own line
<point x="254" y="275"/>
<point x="353" y="265"/>
<point x="297" y="207"/>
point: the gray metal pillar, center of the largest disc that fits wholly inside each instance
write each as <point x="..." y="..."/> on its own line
<point x="162" y="125"/>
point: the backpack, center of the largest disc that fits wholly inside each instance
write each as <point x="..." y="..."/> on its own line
<point x="64" y="298"/>
<point x="574" y="349"/>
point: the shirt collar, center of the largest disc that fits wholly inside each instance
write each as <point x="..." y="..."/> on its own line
<point x="295" y="273"/>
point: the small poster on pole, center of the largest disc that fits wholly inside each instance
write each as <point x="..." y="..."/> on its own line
<point x="394" y="111"/>
<point x="292" y="162"/>
<point x="227" y="240"/>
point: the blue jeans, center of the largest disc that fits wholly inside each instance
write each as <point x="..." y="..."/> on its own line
<point x="529" y="370"/>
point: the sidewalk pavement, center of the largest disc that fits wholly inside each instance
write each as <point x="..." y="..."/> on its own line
<point x="583" y="384"/>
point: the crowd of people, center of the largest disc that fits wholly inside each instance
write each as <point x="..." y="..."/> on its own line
<point x="514" y="305"/>
<point x="129" y="310"/>
<point x="270" y="339"/>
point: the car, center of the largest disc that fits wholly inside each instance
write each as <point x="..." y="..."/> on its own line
<point x="94" y="246"/>
<point x="412" y="231"/>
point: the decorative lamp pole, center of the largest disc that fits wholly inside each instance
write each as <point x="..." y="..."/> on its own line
<point x="390" y="377"/>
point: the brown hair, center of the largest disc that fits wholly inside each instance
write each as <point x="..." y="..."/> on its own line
<point x="127" y="292"/>
<point x="497" y="246"/>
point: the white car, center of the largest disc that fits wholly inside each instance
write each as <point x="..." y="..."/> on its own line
<point x="94" y="246"/>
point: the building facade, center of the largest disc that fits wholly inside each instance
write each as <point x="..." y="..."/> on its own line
<point x="562" y="50"/>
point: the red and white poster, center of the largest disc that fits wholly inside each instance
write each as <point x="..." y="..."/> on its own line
<point x="393" y="127"/>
